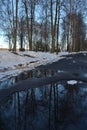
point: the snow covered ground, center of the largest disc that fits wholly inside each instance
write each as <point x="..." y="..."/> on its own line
<point x="12" y="64"/>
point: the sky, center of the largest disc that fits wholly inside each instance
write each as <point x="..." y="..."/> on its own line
<point x="3" y="43"/>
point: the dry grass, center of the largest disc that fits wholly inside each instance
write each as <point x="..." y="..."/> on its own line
<point x="4" y="49"/>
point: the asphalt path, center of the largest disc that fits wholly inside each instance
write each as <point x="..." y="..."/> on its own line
<point x="71" y="67"/>
<point x="73" y="62"/>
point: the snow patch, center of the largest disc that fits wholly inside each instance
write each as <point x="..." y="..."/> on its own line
<point x="72" y="82"/>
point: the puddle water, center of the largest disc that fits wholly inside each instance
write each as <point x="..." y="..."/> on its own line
<point x="37" y="73"/>
<point x="51" y="107"/>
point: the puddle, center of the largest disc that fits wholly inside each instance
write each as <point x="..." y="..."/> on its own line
<point x="54" y="106"/>
<point x="14" y="79"/>
<point x="37" y="73"/>
<point x="41" y="73"/>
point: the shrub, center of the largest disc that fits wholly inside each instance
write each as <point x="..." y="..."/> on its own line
<point x="21" y="49"/>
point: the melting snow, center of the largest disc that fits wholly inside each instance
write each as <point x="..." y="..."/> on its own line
<point x="72" y="82"/>
<point x="13" y="64"/>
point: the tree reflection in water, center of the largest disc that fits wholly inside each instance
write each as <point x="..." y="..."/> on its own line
<point x="52" y="107"/>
